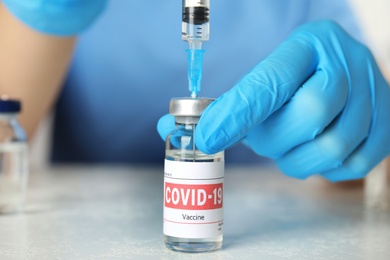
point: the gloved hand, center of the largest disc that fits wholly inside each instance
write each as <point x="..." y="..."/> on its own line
<point x="56" y="17"/>
<point x="317" y="104"/>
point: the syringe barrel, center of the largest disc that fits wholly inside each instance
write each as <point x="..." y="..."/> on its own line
<point x="195" y="20"/>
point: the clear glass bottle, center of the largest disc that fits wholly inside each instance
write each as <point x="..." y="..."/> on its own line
<point x="193" y="184"/>
<point x="13" y="157"/>
<point x="377" y="187"/>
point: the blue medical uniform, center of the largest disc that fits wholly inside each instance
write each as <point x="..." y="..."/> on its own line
<point x="131" y="61"/>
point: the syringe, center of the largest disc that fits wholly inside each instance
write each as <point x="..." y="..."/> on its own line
<point x="195" y="30"/>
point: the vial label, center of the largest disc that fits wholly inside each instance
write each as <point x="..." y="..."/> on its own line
<point x="193" y="199"/>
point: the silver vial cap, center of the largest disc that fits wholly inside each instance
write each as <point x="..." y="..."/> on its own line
<point x="188" y="110"/>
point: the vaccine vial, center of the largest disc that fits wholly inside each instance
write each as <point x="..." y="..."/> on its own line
<point x="193" y="184"/>
<point x="13" y="158"/>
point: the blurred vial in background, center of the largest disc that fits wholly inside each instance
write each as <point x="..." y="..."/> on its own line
<point x="13" y="158"/>
<point x="377" y="187"/>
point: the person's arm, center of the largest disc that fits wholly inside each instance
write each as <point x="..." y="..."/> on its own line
<point x="32" y="66"/>
<point x="36" y="42"/>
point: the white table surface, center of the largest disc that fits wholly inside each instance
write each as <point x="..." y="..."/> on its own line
<point x="103" y="212"/>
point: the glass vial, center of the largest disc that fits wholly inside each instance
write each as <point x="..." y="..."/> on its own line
<point x="377" y="187"/>
<point x="193" y="184"/>
<point x="13" y="158"/>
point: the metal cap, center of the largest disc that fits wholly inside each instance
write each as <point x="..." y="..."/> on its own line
<point x="188" y="106"/>
<point x="8" y="105"/>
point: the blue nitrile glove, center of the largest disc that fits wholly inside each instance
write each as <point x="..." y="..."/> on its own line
<point x="56" y="17"/>
<point x="317" y="104"/>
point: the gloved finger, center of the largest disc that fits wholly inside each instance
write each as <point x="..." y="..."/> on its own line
<point x="328" y="150"/>
<point x="359" y="163"/>
<point x="165" y="125"/>
<point x="260" y="93"/>
<point x="309" y="111"/>
<point x="374" y="149"/>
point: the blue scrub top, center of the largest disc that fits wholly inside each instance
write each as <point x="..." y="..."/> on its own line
<point x="132" y="61"/>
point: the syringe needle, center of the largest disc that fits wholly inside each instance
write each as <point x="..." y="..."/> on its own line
<point x="194" y="94"/>
<point x="195" y="70"/>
